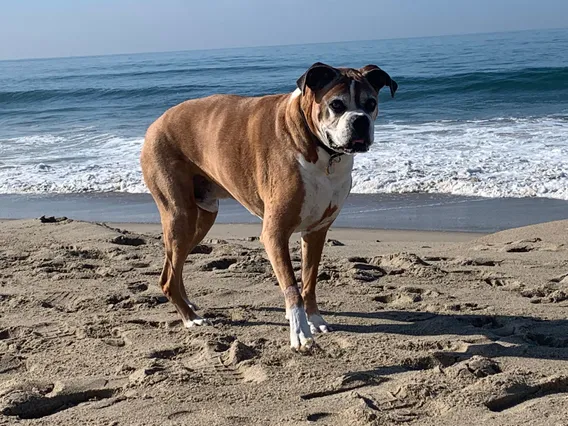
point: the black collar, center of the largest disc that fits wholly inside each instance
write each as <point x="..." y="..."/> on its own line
<point x="334" y="157"/>
<point x="327" y="149"/>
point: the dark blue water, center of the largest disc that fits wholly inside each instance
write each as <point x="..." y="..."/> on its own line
<point x="60" y="119"/>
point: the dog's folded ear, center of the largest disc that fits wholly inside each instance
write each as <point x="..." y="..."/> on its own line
<point x="378" y="78"/>
<point x="317" y="77"/>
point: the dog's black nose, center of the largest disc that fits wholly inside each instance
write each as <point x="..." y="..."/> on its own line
<point x="361" y="126"/>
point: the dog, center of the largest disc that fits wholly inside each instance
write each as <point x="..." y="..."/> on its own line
<point x="286" y="158"/>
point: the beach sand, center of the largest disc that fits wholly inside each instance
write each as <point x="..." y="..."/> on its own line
<point x="431" y="328"/>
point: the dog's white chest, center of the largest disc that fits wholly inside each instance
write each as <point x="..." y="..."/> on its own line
<point x="326" y="188"/>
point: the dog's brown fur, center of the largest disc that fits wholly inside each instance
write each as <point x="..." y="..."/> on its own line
<point x="250" y="162"/>
<point x="245" y="148"/>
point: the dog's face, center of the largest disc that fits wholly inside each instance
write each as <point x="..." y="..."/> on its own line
<point x="341" y="104"/>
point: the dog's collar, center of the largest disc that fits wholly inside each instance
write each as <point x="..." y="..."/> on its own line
<point x="334" y="158"/>
<point x="327" y="149"/>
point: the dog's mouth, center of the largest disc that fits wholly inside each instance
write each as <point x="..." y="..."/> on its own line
<point x="353" y="147"/>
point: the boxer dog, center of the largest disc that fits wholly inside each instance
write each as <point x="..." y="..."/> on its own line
<point x="287" y="158"/>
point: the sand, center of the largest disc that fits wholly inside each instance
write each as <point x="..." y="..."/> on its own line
<point x="430" y="329"/>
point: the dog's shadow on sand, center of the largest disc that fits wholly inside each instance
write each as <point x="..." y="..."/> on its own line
<point x="508" y="335"/>
<point x="461" y="337"/>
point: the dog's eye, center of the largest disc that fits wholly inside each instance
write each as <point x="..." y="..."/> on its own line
<point x="370" y="105"/>
<point x="337" y="106"/>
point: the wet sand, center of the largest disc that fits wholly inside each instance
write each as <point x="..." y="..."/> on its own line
<point x="434" y="212"/>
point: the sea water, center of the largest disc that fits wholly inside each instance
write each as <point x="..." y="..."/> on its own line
<point x="483" y="115"/>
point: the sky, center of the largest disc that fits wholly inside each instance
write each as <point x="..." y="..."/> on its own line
<point x="55" y="28"/>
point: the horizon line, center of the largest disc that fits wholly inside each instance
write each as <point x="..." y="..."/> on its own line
<point x="274" y="45"/>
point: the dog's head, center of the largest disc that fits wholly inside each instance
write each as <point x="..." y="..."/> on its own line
<point x="341" y="104"/>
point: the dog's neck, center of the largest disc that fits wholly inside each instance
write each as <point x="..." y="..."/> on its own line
<point x="334" y="156"/>
<point x="327" y="149"/>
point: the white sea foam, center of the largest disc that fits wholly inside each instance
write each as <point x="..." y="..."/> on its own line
<point x="79" y="163"/>
<point x="492" y="158"/>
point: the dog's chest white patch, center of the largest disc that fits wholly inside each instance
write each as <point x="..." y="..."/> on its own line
<point x="326" y="188"/>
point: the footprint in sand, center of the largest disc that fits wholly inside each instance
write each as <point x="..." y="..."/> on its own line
<point x="408" y="264"/>
<point x="35" y="400"/>
<point x="125" y="240"/>
<point x="218" y="363"/>
<point x="218" y="264"/>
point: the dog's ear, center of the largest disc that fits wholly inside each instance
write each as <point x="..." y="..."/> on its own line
<point x="378" y="78"/>
<point x="317" y="77"/>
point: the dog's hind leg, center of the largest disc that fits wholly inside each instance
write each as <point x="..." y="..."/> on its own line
<point x="205" y="220"/>
<point x="182" y="232"/>
<point x="184" y="224"/>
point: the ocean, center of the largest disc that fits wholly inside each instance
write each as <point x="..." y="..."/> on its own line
<point x="476" y="115"/>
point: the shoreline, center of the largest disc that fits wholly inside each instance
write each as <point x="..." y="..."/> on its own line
<point x="410" y="212"/>
<point x="248" y="231"/>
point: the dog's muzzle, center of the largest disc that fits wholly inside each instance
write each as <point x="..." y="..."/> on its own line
<point x="354" y="146"/>
<point x="360" y="134"/>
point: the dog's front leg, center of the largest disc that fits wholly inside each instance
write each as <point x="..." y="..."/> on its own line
<point x="312" y="247"/>
<point x="275" y="241"/>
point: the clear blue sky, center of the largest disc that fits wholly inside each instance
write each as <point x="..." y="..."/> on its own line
<point x="47" y="28"/>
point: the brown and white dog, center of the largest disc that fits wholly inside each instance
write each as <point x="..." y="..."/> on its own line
<point x="286" y="158"/>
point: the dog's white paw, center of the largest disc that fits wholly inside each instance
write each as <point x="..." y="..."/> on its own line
<point x="300" y="334"/>
<point x="318" y="324"/>
<point x="196" y="322"/>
